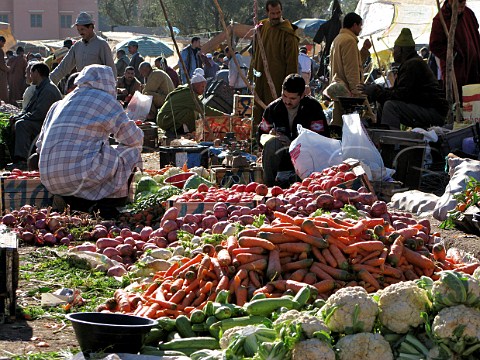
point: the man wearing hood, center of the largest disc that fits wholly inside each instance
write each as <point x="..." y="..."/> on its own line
<point x="415" y="100"/>
<point x="281" y="49"/>
<point x="75" y="158"/>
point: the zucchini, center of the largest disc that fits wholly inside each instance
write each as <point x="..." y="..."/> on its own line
<point x="197" y="316"/>
<point x="194" y="343"/>
<point x="222" y="296"/>
<point x="265" y="307"/>
<point x="211" y="320"/>
<point x="166" y="323"/>
<point x="209" y="308"/>
<point x="223" y="312"/>
<point x="303" y="295"/>
<point x="242" y="321"/>
<point x="200" y="327"/>
<point x="155" y="336"/>
<point x="184" y="327"/>
<point x="259" y="296"/>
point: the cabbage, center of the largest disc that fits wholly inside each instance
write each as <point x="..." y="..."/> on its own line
<point x="146" y="183"/>
<point x="194" y="181"/>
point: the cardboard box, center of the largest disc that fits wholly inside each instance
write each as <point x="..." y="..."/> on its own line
<point x="242" y="105"/>
<point x="16" y="193"/>
<point x="226" y="177"/>
<point x="220" y="125"/>
<point x="185" y="208"/>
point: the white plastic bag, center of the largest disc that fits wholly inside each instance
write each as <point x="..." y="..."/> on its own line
<point x="356" y="144"/>
<point x="313" y="152"/>
<point x="471" y="102"/>
<point x="139" y="106"/>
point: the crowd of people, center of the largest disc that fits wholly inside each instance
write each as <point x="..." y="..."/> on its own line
<point x="82" y="86"/>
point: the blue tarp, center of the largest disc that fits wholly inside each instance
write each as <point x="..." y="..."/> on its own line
<point x="309" y="26"/>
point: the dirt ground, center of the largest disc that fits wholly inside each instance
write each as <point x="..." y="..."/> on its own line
<point x="49" y="335"/>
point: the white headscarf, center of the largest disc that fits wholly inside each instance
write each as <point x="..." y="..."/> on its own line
<point x="98" y="77"/>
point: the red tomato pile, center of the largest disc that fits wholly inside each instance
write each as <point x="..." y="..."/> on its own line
<point x="22" y="175"/>
<point x="238" y="193"/>
<point x="328" y="178"/>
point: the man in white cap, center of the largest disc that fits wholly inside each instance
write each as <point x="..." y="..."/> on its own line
<point x="177" y="116"/>
<point x="157" y="84"/>
<point x="92" y="49"/>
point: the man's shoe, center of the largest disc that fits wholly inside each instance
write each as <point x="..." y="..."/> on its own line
<point x="21" y="165"/>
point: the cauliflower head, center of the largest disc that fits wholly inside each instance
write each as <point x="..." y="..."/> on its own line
<point x="400" y="306"/>
<point x="350" y="310"/>
<point x="312" y="349"/>
<point x="309" y="323"/>
<point x="455" y="288"/>
<point x="438" y="353"/>
<point x="457" y="327"/>
<point x="228" y="336"/>
<point x="364" y="346"/>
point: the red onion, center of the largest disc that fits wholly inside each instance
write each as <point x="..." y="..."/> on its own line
<point x="49" y="239"/>
<point x="9" y="220"/>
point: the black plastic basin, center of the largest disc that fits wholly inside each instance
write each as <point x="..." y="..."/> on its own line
<point x="110" y="333"/>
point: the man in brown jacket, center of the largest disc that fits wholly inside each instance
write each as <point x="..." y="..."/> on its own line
<point x="346" y="62"/>
<point x="281" y="49"/>
<point x="4" y="69"/>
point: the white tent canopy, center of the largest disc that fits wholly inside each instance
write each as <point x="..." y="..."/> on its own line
<point x="384" y="19"/>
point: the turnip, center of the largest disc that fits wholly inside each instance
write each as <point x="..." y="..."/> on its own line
<point x="187" y="228"/>
<point x="125" y="249"/>
<point x="209" y="213"/>
<point x="293" y="199"/>
<point x="117" y="270"/>
<point x="53" y="224"/>
<point x="237" y="212"/>
<point x="9" y="220"/>
<point x="120" y="239"/>
<point x="233" y="218"/>
<point x="149" y="246"/>
<point x="246" y="219"/>
<point x="291" y="212"/>
<point x="125" y="232"/>
<point x="325" y="201"/>
<point x="49" y="239"/>
<point x="311" y="207"/>
<point x="170" y="214"/>
<point x="114" y="232"/>
<point x="199" y="232"/>
<point x="129" y="241"/>
<point x="110" y="252"/>
<point x="40" y="216"/>
<point x="231" y="208"/>
<point x="161" y="242"/>
<point x="40" y="224"/>
<point x="139" y="244"/>
<point x="172" y="236"/>
<point x="86" y="246"/>
<point x="378" y="208"/>
<point x="61" y="233"/>
<point x="219" y="227"/>
<point x="65" y="241"/>
<point x="273" y="203"/>
<point x="28" y="237"/>
<point x="220" y="212"/>
<point x="117" y="258"/>
<point x="262" y="208"/>
<point x="189" y="218"/>
<point x="254" y="212"/>
<point x="208" y="222"/>
<point x="245" y="210"/>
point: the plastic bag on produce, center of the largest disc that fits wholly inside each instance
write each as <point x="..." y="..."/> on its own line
<point x="459" y="170"/>
<point x="414" y="201"/>
<point x="471" y="102"/>
<point x="356" y="144"/>
<point x="139" y="107"/>
<point x="313" y="152"/>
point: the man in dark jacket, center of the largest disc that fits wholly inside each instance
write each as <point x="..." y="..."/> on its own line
<point x="281" y="118"/>
<point x="415" y="100"/>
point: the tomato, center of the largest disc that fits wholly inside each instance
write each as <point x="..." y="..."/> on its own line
<point x="307" y="181"/>
<point x="240" y="188"/>
<point x="350" y="176"/>
<point x="276" y="190"/>
<point x="202" y="188"/>
<point x="197" y="196"/>
<point x="343" y="167"/>
<point x="261" y="189"/>
<point x="251" y="187"/>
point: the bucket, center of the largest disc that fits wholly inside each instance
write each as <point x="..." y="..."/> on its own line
<point x="110" y="333"/>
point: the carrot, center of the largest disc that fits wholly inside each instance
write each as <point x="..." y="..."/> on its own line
<point x="468" y="268"/>
<point x="390" y="280"/>
<point x="321" y="274"/>
<point x="176" y="285"/>
<point x="417" y="259"/>
<point x="374" y="262"/>
<point x="315" y="229"/>
<point x="329" y="257"/>
<point x="232" y="243"/>
<point x="276" y="238"/>
<point x="241" y="295"/>
<point x="285" y="259"/>
<point x="317" y="253"/>
<point x="217" y="268"/>
<point x="248" y="232"/>
<point x="355" y="258"/>
<point x="244" y="258"/>
<point x="294" y="247"/>
<point x="364" y="245"/>
<point x="192" y="286"/>
<point x="325" y="286"/>
<point x="310" y="278"/>
<point x="439" y="252"/>
<point x="267" y="289"/>
<point x="371" y="269"/>
<point x="121" y="296"/>
<point x="284" y="217"/>
<point x="391" y="271"/>
<point x="254" y="279"/>
<point x="334" y="223"/>
<point x="454" y="255"/>
<point x="224" y="258"/>
<point x="199" y="299"/>
<point x="410" y="275"/>
<point x="273" y="229"/>
<point x="195" y="260"/>
<point x="139" y="310"/>
<point x="357" y="229"/>
<point x="252" y="250"/>
<point x="189" y="298"/>
<point x="171" y="269"/>
<point x="337" y="274"/>
<point x="223" y="283"/>
<point x="368" y="278"/>
<point x="339" y="242"/>
<point x="303" y="255"/>
<point x="351" y="283"/>
<point x="248" y="241"/>
<point x="178" y="296"/>
<point x="407" y="232"/>
<point x="309" y="239"/>
<point x="300" y="264"/>
<point x="206" y="289"/>
<point x="342" y="262"/>
<point x="163" y="303"/>
<point x="397" y="250"/>
<point x="151" y="288"/>
<point x="258" y="265"/>
<point x="274" y="268"/>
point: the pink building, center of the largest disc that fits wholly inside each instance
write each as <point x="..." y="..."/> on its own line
<point x="44" y="19"/>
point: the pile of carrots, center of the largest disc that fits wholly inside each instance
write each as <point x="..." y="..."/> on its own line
<point x="288" y="254"/>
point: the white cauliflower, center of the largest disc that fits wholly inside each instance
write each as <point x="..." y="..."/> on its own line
<point x="401" y="305"/>
<point x="309" y="323"/>
<point x="312" y="349"/>
<point x="228" y="335"/>
<point x="438" y="353"/>
<point x="455" y="288"/>
<point x="350" y="310"/>
<point x="364" y="346"/>
<point x="457" y="327"/>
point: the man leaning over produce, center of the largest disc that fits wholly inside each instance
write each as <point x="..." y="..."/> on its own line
<point x="177" y="116"/>
<point x="75" y="159"/>
<point x="416" y="99"/>
<point x="280" y="120"/>
<point x="28" y="123"/>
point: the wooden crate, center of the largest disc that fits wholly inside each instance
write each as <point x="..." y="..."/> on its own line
<point x="185" y="208"/>
<point x="226" y="177"/>
<point x="242" y="105"/>
<point x="9" y="272"/>
<point x="16" y="193"/>
<point x="359" y="181"/>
